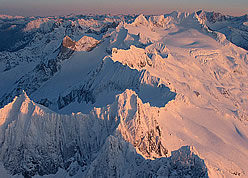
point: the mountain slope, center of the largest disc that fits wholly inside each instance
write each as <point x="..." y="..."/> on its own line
<point x="166" y="95"/>
<point x="35" y="140"/>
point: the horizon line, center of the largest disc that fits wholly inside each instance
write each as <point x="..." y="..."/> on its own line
<point x="116" y="14"/>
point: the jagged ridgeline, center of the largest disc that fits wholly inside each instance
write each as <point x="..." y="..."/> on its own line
<point x="36" y="140"/>
<point x="124" y="96"/>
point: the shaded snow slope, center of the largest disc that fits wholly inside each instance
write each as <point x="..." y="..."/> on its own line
<point x="141" y="86"/>
<point x="233" y="28"/>
<point x="37" y="141"/>
<point x="112" y="77"/>
<point x="49" y="67"/>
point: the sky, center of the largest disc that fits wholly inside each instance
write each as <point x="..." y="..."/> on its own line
<point x="64" y="7"/>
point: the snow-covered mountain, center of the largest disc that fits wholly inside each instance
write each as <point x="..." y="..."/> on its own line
<point x="124" y="96"/>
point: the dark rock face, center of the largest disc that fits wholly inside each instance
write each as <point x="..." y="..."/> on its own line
<point x="182" y="163"/>
<point x="150" y="143"/>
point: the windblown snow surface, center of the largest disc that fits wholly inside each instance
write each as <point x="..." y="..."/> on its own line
<point x="124" y="96"/>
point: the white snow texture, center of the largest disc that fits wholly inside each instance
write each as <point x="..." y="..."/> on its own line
<point x="124" y="96"/>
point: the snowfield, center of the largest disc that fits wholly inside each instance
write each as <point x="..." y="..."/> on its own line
<point x="124" y="96"/>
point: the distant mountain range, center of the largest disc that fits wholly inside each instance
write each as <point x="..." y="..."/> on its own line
<point x="124" y="96"/>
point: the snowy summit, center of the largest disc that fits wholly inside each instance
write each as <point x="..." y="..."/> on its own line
<point x="124" y="96"/>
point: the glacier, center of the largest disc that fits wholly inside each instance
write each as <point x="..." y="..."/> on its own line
<point x="124" y="96"/>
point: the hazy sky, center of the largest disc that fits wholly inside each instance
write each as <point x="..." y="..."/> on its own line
<point x="63" y="7"/>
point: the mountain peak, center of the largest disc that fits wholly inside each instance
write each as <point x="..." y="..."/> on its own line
<point x="140" y="20"/>
<point x="215" y="17"/>
<point x="171" y="80"/>
<point x="4" y="16"/>
<point x="68" y="42"/>
<point x="24" y="95"/>
<point x="134" y="57"/>
<point x="86" y="43"/>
